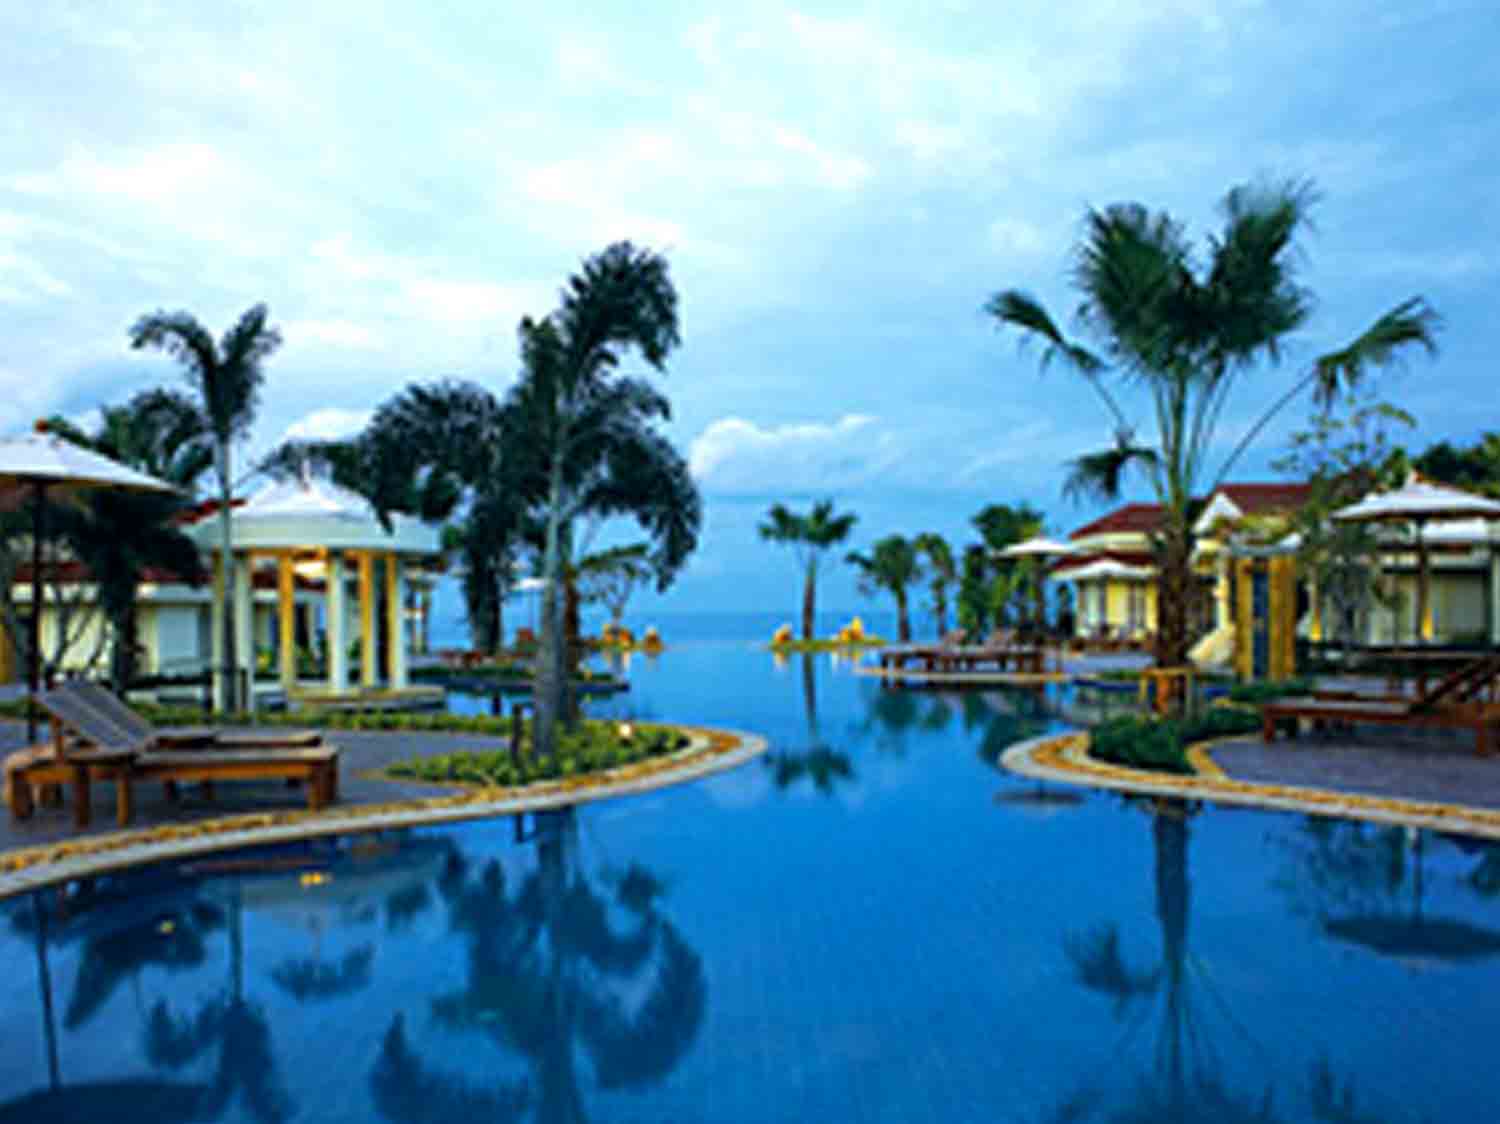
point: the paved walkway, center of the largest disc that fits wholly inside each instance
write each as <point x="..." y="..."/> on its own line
<point x="362" y="752"/>
<point x="1428" y="765"/>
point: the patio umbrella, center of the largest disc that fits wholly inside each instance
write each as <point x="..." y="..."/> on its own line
<point x="1039" y="547"/>
<point x="30" y="468"/>
<point x="1419" y="502"/>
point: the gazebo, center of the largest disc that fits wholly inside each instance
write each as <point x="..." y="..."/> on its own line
<point x="313" y="529"/>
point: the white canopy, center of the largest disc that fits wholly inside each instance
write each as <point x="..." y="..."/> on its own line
<point x="307" y="512"/>
<point x="45" y="459"/>
<point x="1038" y="547"/>
<point x="1103" y="568"/>
<point x="1419" y="500"/>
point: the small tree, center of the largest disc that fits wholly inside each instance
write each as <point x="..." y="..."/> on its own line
<point x="942" y="574"/>
<point x="893" y="564"/>
<point x="810" y="536"/>
<point x="1343" y="455"/>
<point x="611" y="576"/>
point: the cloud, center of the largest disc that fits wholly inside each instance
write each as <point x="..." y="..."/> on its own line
<point x="333" y="333"/>
<point x="733" y="454"/>
<point x="327" y="424"/>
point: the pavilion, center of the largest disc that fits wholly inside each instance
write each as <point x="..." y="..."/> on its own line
<point x="314" y="530"/>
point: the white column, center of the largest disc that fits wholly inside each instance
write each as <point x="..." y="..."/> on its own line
<point x="395" y="607"/>
<point x="1494" y="595"/>
<point x="369" y="664"/>
<point x="216" y="634"/>
<point x="336" y="612"/>
<point x="286" y="624"/>
<point x="244" y="627"/>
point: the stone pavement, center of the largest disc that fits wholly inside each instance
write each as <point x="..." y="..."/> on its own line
<point x="1427" y="765"/>
<point x="362" y="751"/>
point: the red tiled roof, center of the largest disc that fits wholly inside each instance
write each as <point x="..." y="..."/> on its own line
<point x="196" y="513"/>
<point x="1138" y="517"/>
<point x="1256" y="499"/>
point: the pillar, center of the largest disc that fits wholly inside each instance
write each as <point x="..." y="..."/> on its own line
<point x="1494" y="595"/>
<point x="395" y="607"/>
<point x="368" y="665"/>
<point x="334" y="608"/>
<point x="244" y="626"/>
<point x="216" y="654"/>
<point x="286" y="622"/>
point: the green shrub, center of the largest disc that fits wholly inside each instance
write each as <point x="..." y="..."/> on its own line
<point x="1265" y="690"/>
<point x="1140" y="743"/>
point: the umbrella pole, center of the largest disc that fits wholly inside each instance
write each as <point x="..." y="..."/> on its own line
<point x="34" y="670"/>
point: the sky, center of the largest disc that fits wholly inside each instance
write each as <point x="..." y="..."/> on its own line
<point x="838" y="190"/>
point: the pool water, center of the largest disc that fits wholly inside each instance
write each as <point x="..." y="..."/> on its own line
<point x="872" y="923"/>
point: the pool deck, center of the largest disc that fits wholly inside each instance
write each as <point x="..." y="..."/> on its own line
<point x="47" y="847"/>
<point x="1427" y="779"/>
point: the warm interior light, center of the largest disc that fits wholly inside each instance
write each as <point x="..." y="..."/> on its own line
<point x="311" y="569"/>
<point x="315" y="878"/>
<point x="625" y="729"/>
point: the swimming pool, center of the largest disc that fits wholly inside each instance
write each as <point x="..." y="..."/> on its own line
<point x="871" y="924"/>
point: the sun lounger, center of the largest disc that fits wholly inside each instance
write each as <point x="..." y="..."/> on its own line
<point x="89" y="744"/>
<point x="109" y="707"/>
<point x="1452" y="703"/>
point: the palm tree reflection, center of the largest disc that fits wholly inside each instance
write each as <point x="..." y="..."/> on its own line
<point x="825" y="767"/>
<point x="553" y="964"/>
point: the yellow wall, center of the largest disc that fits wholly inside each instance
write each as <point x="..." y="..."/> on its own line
<point x="1280" y="625"/>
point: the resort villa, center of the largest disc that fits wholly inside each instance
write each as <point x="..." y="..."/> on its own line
<point x="1113" y="576"/>
<point x="327" y="600"/>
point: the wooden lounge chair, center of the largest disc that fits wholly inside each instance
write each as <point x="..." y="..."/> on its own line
<point x="109" y="707"/>
<point x="89" y="744"/>
<point x="1453" y="702"/>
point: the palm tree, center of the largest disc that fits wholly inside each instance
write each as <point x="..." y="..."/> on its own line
<point x="1185" y="334"/>
<point x="809" y="536"/>
<point x="942" y="573"/>
<point x="892" y="565"/>
<point x="611" y="576"/>
<point x="227" y="377"/>
<point x="118" y="535"/>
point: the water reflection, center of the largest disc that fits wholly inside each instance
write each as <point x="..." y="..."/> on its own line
<point x="1365" y="886"/>
<point x="553" y="962"/>
<point x="817" y="762"/>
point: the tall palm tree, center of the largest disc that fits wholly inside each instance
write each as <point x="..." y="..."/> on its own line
<point x="227" y="377"/>
<point x="942" y="574"/>
<point x="810" y="536"/>
<point x="893" y="565"/>
<point x="1184" y="334"/>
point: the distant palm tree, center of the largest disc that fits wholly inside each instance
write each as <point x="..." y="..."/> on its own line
<point x="227" y="377"/>
<point x="1185" y="334"/>
<point x="810" y="536"/>
<point x="942" y="574"/>
<point x="893" y="565"/>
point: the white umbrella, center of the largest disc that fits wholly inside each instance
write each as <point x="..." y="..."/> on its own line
<point x="32" y="465"/>
<point x="1038" y="547"/>
<point x="1419" y="501"/>
<point x="1105" y="568"/>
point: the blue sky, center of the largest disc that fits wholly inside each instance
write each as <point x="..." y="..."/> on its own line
<point x="838" y="190"/>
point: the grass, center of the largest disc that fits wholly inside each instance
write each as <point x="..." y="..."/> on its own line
<point x="1133" y="675"/>
<point x="1160" y="744"/>
<point x="1266" y="690"/>
<point x="592" y="748"/>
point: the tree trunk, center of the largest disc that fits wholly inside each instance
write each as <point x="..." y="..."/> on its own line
<point x="903" y="623"/>
<point x="809" y="600"/>
<point x="547" y="693"/>
<point x="572" y="650"/>
<point x="122" y="658"/>
<point x="1173" y="592"/>
<point x="226" y="554"/>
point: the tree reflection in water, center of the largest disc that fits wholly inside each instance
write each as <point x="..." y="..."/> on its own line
<point x="825" y="767"/>
<point x="1184" y="1083"/>
<point x="553" y="965"/>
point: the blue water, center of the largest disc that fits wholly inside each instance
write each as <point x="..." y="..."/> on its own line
<point x="872" y="924"/>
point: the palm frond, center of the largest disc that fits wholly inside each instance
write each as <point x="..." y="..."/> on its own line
<point x="1383" y="344"/>
<point x="1099" y="475"/>
<point x="181" y="336"/>
<point x="1015" y="309"/>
